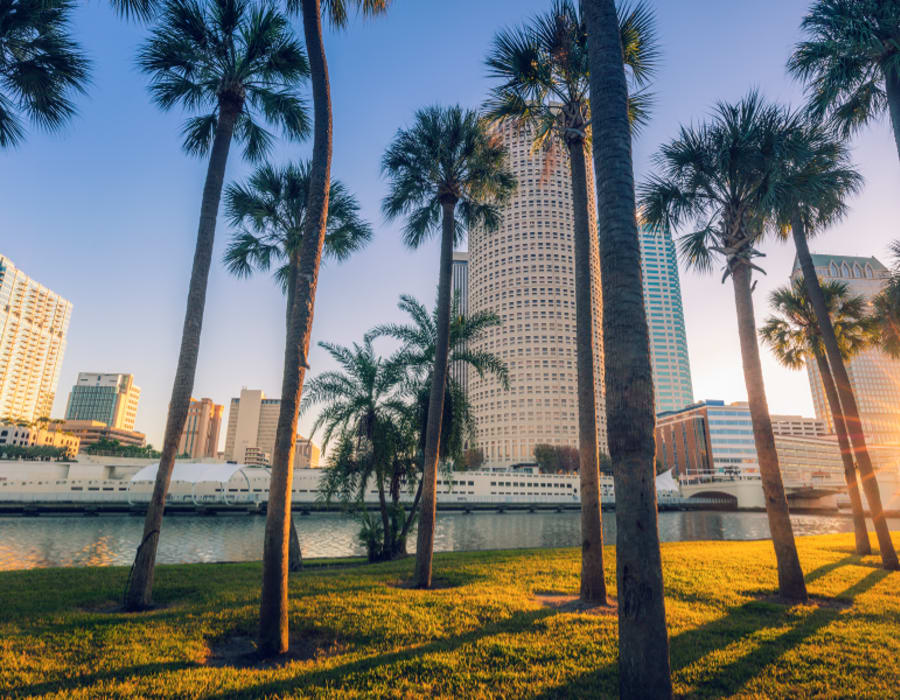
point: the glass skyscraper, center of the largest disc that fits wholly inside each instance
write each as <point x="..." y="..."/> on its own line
<point x="665" y="320"/>
<point x="107" y="398"/>
<point x="874" y="376"/>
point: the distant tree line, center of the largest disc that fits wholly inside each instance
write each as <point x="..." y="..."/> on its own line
<point x="105" y="447"/>
<point x="552" y="459"/>
<point x="42" y="453"/>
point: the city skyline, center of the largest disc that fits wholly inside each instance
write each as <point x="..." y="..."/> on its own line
<point x="242" y="342"/>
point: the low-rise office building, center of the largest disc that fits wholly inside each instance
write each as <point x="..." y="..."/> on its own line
<point x="90" y="432"/>
<point x="715" y="439"/>
<point x="48" y="435"/>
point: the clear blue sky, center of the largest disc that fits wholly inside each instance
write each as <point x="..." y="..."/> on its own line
<point x="105" y="212"/>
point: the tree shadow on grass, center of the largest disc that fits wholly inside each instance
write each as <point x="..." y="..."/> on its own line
<point x="338" y="676"/>
<point x="731" y="677"/>
<point x="76" y="682"/>
<point x="739" y="623"/>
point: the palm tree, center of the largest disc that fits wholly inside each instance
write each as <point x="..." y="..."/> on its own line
<point x="238" y="62"/>
<point x="40" y="67"/>
<point x="271" y="209"/>
<point x="273" y="602"/>
<point x="886" y="310"/>
<point x="363" y="402"/>
<point x="444" y="170"/>
<point x="851" y="62"/>
<point x="417" y="355"/>
<point x="724" y="176"/>
<point x="420" y="339"/>
<point x="644" y="669"/>
<point x="818" y="178"/>
<point x="795" y="338"/>
<point x="545" y="78"/>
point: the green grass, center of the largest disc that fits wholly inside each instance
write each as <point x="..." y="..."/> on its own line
<point x="484" y="635"/>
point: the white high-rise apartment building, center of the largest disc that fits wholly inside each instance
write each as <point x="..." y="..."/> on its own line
<point x="874" y="375"/>
<point x="665" y="320"/>
<point x="525" y="273"/>
<point x="108" y="398"/>
<point x="33" y="326"/>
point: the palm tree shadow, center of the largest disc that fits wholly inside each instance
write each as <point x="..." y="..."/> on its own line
<point x="739" y="623"/>
<point x="338" y="675"/>
<point x="691" y="646"/>
<point x="80" y="682"/>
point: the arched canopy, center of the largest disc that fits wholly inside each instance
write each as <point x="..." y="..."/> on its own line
<point x="194" y="473"/>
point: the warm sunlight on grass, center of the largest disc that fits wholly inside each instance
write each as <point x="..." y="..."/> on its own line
<point x="484" y="633"/>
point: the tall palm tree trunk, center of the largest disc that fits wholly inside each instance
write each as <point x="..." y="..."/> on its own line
<point x="644" y="670"/>
<point x="850" y="411"/>
<point x="859" y="517"/>
<point x="273" y="618"/>
<point x="295" y="553"/>
<point x="140" y="589"/>
<point x="790" y="575"/>
<point x="593" y="584"/>
<point x="892" y="91"/>
<point x="425" y="540"/>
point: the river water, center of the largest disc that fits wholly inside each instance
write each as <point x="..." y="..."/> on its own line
<point x="111" y="540"/>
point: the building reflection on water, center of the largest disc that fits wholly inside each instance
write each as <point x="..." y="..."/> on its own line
<point x="27" y="543"/>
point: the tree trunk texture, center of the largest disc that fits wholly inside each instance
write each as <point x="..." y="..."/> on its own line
<point x="140" y="590"/>
<point x="295" y="553"/>
<point x="892" y="90"/>
<point x="273" y="611"/>
<point x="790" y="576"/>
<point x="425" y="540"/>
<point x="859" y="517"/>
<point x="644" y="670"/>
<point x="847" y="399"/>
<point x="593" y="584"/>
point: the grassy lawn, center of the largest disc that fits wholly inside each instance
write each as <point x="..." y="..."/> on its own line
<point x="484" y="634"/>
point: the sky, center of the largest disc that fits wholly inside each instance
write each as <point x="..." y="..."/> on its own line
<point x="105" y="211"/>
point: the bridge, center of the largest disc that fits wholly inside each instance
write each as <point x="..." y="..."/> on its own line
<point x="745" y="492"/>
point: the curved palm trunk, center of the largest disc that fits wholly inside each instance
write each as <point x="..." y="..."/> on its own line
<point x="790" y="576"/>
<point x="140" y="589"/>
<point x="273" y="618"/>
<point x="593" y="584"/>
<point x="425" y="540"/>
<point x="847" y="399"/>
<point x="644" y="670"/>
<point x="295" y="553"/>
<point x="859" y="517"/>
<point x="892" y="91"/>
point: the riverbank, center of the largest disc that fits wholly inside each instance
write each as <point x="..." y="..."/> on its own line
<point x="500" y="624"/>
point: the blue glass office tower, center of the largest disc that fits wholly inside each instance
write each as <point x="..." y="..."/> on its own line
<point x="665" y="320"/>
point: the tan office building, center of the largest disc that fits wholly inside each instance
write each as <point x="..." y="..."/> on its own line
<point x="200" y="437"/>
<point x="874" y="375"/>
<point x="525" y="273"/>
<point x="33" y="326"/>
<point x="250" y="436"/>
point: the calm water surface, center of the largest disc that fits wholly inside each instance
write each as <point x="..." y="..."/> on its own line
<point x="27" y="543"/>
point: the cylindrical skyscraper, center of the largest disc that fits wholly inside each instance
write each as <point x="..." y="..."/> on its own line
<point x="525" y="273"/>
